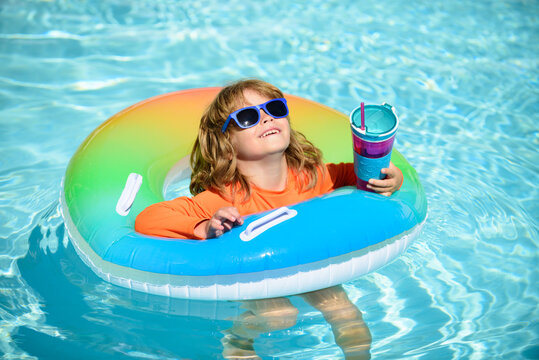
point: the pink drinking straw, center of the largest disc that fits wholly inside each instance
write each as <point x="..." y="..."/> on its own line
<point x="362" y="116"/>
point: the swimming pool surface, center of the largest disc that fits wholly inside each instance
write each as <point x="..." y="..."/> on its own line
<point x="462" y="76"/>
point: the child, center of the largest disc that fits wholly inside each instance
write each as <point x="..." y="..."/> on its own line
<point x="246" y="160"/>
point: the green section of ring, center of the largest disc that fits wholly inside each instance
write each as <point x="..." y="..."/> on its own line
<point x="149" y="137"/>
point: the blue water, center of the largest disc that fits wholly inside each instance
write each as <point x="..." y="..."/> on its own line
<point x="463" y="76"/>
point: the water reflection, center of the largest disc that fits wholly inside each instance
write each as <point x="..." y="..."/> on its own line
<point x="266" y="315"/>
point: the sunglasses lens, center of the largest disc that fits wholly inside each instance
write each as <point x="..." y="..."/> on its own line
<point x="277" y="108"/>
<point x="247" y="117"/>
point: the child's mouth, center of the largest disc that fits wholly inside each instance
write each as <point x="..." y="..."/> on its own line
<point x="269" y="133"/>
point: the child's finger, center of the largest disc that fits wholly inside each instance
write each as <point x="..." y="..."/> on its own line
<point x="224" y="215"/>
<point x="377" y="190"/>
<point x="217" y="233"/>
<point x="216" y="224"/>
<point x="236" y="214"/>
<point x="233" y="215"/>
<point x="374" y="183"/>
<point x="228" y="225"/>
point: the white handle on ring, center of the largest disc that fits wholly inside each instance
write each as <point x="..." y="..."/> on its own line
<point x="257" y="227"/>
<point x="131" y="188"/>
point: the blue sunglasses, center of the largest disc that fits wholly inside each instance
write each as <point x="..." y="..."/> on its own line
<point x="250" y="116"/>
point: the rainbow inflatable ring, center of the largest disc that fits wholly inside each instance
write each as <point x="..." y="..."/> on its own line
<point x="127" y="163"/>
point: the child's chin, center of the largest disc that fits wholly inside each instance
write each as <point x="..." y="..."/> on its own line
<point x="279" y="145"/>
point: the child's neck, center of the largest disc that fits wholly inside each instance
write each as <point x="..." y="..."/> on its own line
<point x="268" y="174"/>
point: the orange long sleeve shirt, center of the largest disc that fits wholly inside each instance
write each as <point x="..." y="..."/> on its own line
<point x="178" y="218"/>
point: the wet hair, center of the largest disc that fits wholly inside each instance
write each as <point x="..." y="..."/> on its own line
<point x="213" y="158"/>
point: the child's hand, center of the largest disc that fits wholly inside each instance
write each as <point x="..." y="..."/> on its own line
<point x="222" y="221"/>
<point x="390" y="184"/>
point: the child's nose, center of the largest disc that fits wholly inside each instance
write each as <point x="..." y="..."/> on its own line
<point x="265" y="116"/>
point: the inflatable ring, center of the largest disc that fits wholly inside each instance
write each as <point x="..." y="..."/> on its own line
<point x="127" y="163"/>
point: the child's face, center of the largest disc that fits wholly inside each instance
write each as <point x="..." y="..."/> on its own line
<point x="270" y="137"/>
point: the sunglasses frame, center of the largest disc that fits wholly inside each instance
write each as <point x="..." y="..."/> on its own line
<point x="234" y="115"/>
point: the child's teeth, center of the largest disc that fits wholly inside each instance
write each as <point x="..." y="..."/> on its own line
<point x="269" y="133"/>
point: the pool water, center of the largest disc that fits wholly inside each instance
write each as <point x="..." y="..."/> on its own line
<point x="463" y="76"/>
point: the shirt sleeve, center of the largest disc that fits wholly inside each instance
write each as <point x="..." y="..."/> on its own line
<point x="341" y="174"/>
<point x="178" y="218"/>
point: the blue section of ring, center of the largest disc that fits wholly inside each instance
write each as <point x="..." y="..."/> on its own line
<point x="358" y="219"/>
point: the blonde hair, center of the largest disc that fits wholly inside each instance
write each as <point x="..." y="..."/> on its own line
<point x="213" y="159"/>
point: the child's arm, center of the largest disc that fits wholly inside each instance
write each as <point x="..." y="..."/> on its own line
<point x="222" y="221"/>
<point x="390" y="184"/>
<point x="178" y="218"/>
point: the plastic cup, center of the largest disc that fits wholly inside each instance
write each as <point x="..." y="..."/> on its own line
<point x="373" y="144"/>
